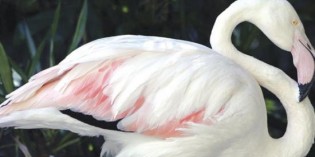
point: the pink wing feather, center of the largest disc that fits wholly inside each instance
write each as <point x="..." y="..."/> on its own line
<point x="155" y="85"/>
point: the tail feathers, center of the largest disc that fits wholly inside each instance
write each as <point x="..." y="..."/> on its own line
<point x="52" y="118"/>
<point x="49" y="118"/>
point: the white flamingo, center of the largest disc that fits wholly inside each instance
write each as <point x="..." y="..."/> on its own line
<point x="178" y="98"/>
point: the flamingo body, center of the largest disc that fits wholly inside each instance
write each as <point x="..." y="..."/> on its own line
<point x="154" y="91"/>
<point x="159" y="87"/>
<point x="178" y="98"/>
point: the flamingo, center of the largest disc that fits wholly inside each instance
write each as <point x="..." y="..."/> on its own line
<point x="178" y="98"/>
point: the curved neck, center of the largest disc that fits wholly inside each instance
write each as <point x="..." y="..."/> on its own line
<point x="299" y="135"/>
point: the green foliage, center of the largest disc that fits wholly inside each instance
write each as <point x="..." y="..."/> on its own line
<point x="80" y="27"/>
<point x="271" y="105"/>
<point x="37" y="34"/>
<point x="5" y="71"/>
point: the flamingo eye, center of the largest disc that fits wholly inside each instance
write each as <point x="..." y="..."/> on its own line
<point x="295" y="22"/>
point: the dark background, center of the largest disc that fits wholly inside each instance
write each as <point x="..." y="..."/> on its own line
<point x="37" y="34"/>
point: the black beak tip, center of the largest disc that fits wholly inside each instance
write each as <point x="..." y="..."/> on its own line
<point x="304" y="90"/>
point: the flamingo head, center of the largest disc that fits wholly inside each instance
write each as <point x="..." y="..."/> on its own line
<point x="282" y="25"/>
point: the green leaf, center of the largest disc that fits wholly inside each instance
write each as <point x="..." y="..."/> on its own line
<point x="22" y="147"/>
<point x="29" y="39"/>
<point x="66" y="137"/>
<point x="50" y="136"/>
<point x="80" y="28"/>
<point x="270" y="105"/>
<point x="53" y="31"/>
<point x="35" y="53"/>
<point x="5" y="71"/>
<point x="35" y="60"/>
<point x="55" y="22"/>
<point x="66" y="144"/>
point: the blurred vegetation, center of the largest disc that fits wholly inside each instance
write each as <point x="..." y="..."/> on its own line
<point x="37" y="34"/>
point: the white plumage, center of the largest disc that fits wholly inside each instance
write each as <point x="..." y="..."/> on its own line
<point x="177" y="97"/>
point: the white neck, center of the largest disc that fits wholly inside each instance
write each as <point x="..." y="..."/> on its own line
<point x="299" y="135"/>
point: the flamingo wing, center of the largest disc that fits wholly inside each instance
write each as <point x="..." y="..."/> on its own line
<point x="156" y="86"/>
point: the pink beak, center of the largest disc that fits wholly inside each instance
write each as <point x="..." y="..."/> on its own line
<point x="303" y="58"/>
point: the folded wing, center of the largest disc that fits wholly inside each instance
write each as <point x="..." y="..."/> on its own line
<point x="156" y="86"/>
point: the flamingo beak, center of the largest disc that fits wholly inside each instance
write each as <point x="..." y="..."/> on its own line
<point x="303" y="58"/>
